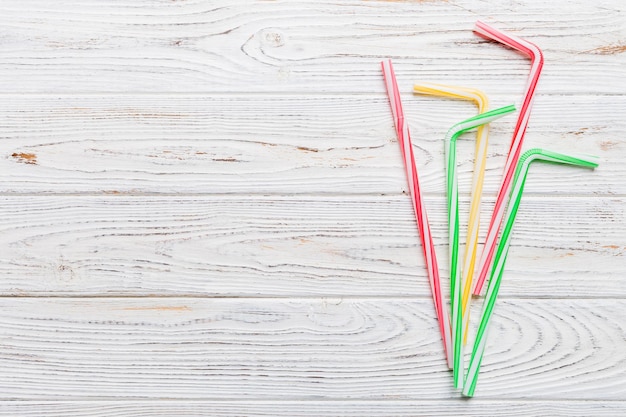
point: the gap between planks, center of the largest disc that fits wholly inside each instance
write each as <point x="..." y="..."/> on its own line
<point x="291" y="196"/>
<point x="304" y="93"/>
<point x="340" y="298"/>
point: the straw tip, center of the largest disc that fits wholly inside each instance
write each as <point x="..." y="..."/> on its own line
<point x="477" y="292"/>
<point x="468" y="394"/>
<point x="592" y="160"/>
<point x="479" y="25"/>
<point x="509" y="108"/>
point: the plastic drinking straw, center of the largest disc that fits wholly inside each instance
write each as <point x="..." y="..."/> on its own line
<point x="404" y="138"/>
<point x="453" y="225"/>
<point x="471" y="241"/>
<point x="536" y="57"/>
<point x="503" y="249"/>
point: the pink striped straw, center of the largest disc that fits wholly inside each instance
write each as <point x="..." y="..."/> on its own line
<point x="404" y="138"/>
<point x="536" y="57"/>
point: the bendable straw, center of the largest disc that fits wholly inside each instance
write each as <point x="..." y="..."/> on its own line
<point x="536" y="57"/>
<point x="404" y="138"/>
<point x="480" y="160"/>
<point x="503" y="249"/>
<point x="453" y="224"/>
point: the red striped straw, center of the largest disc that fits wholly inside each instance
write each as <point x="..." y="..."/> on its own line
<point x="404" y="138"/>
<point x="536" y="57"/>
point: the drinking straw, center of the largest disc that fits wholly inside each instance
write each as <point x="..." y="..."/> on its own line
<point x="404" y="138"/>
<point x="471" y="240"/>
<point x="534" y="53"/>
<point x="503" y="249"/>
<point x="453" y="224"/>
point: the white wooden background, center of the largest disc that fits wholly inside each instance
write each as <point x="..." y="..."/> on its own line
<point x="204" y="209"/>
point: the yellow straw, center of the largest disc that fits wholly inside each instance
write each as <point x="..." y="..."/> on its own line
<point x="471" y="242"/>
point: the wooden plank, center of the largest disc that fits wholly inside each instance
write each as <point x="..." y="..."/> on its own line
<point x="286" y="246"/>
<point x="284" y="144"/>
<point x="306" y="46"/>
<point x="304" y="408"/>
<point x="274" y="349"/>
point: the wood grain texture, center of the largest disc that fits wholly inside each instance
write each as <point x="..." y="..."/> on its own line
<point x="194" y="144"/>
<point x="287" y="246"/>
<point x="203" y="208"/>
<point x="224" y="46"/>
<point x="293" y="349"/>
<point x="306" y="408"/>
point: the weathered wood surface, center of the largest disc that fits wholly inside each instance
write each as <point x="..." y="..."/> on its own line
<point x="312" y="408"/>
<point x="322" y="144"/>
<point x="290" y="349"/>
<point x="225" y="45"/>
<point x="286" y="246"/>
<point x="203" y="208"/>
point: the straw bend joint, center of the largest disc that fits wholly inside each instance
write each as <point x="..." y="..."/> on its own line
<point x="522" y="45"/>
<point x="478" y="120"/>
<point x="534" y="154"/>
<point x="453" y="91"/>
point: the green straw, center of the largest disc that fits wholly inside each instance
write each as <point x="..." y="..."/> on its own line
<point x="519" y="180"/>
<point x="456" y="289"/>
